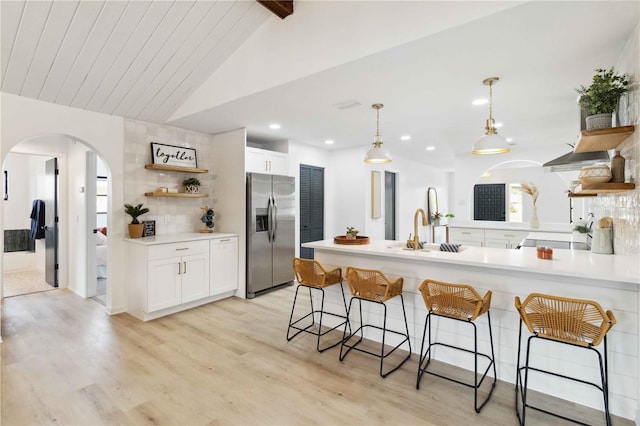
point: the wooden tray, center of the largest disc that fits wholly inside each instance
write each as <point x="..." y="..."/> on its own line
<point x="342" y="239"/>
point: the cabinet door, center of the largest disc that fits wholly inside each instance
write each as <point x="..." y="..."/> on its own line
<point x="195" y="277"/>
<point x="164" y="283"/>
<point x="255" y="160"/>
<point x="468" y="243"/>
<point x="224" y="265"/>
<point x="278" y="163"/>
<point x="497" y="243"/>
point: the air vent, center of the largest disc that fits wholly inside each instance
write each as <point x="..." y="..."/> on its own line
<point x="351" y="103"/>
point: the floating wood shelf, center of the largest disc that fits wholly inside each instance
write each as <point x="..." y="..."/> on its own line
<point x="574" y="195"/>
<point x="603" y="188"/>
<point x="602" y="139"/>
<point x="175" y="195"/>
<point x="166" y="168"/>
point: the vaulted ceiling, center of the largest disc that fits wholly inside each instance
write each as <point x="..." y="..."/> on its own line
<point x="215" y="66"/>
<point x="136" y="59"/>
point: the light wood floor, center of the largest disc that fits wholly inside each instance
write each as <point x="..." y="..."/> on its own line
<point x="24" y="282"/>
<point x="64" y="361"/>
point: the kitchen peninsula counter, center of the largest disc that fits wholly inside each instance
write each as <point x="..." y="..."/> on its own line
<point x="611" y="280"/>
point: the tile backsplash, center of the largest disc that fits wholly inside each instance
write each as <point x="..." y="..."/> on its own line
<point x="172" y="215"/>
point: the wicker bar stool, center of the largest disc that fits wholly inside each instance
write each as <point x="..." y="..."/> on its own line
<point x="373" y="286"/>
<point x="309" y="273"/>
<point x="459" y="302"/>
<point x="574" y="322"/>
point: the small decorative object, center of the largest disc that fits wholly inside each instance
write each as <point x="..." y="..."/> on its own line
<point x="595" y="174"/>
<point x="170" y="155"/>
<point x="207" y="219"/>
<point x="617" y="168"/>
<point x="531" y="189"/>
<point x="149" y="228"/>
<point x="544" y="252"/>
<point x="602" y="242"/>
<point x="351" y="233"/>
<point x="191" y="185"/>
<point x="601" y="98"/>
<point x="435" y="218"/>
<point x="581" y="227"/>
<point x="135" y="228"/>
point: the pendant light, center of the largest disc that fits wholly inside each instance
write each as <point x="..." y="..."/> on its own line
<point x="377" y="154"/>
<point x="491" y="142"/>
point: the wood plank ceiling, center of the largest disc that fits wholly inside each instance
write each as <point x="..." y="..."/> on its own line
<point x="136" y="59"/>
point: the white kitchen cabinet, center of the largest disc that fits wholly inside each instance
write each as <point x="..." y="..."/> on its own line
<point x="508" y="239"/>
<point x="178" y="273"/>
<point x="264" y="161"/>
<point x="471" y="237"/>
<point x="224" y="265"/>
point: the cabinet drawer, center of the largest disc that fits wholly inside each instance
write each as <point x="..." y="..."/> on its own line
<point x="505" y="234"/>
<point x="469" y="234"/>
<point x="162" y="251"/>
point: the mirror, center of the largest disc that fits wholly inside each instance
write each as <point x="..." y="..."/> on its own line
<point x="432" y="203"/>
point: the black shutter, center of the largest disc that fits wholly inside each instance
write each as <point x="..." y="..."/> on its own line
<point x="311" y="207"/>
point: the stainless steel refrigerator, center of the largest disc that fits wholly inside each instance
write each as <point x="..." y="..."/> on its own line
<point x="270" y="231"/>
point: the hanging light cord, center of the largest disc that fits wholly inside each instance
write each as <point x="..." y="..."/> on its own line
<point x="491" y="100"/>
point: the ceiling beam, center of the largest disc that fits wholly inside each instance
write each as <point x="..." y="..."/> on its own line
<point x="281" y="8"/>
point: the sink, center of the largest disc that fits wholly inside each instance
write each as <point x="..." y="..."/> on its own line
<point x="425" y="247"/>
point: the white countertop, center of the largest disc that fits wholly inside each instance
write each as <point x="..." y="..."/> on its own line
<point x="570" y="263"/>
<point x="177" y="238"/>
<point x="516" y="226"/>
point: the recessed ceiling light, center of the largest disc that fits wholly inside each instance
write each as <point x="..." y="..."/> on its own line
<point x="498" y="125"/>
<point x="509" y="139"/>
<point x="405" y="137"/>
<point x="481" y="101"/>
<point x="274" y="126"/>
<point x="431" y="148"/>
<point x="329" y="142"/>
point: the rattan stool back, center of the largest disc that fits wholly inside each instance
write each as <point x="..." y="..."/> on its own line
<point x="373" y="285"/>
<point x="310" y="273"/>
<point x="460" y="301"/>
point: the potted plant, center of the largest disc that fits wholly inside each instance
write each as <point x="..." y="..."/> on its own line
<point x="435" y="218"/>
<point x="600" y="99"/>
<point x="351" y="233"/>
<point x="135" y="228"/>
<point x="191" y="185"/>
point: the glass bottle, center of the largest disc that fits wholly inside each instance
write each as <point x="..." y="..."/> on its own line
<point x="617" y="168"/>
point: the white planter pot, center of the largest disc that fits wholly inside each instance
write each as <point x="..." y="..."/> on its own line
<point x="599" y="121"/>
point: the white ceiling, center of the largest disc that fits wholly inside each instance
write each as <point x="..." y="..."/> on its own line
<point x="143" y="59"/>
<point x="137" y="59"/>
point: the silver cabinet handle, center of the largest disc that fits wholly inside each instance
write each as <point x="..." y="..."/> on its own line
<point x="466" y="233"/>
<point x="179" y="272"/>
<point x="185" y="267"/>
<point x="509" y="235"/>
<point x="225" y="240"/>
<point x="181" y="249"/>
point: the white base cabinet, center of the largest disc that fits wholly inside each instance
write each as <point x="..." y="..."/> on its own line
<point x="165" y="278"/>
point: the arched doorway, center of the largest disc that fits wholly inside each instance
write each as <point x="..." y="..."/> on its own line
<point x="76" y="181"/>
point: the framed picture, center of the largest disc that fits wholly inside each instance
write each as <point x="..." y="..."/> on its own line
<point x="170" y="155"/>
<point x="149" y="228"/>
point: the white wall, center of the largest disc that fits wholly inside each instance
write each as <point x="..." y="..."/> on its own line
<point x="22" y="189"/>
<point x="23" y="120"/>
<point x="77" y="224"/>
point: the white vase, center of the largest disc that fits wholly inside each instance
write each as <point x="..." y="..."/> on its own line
<point x="533" y="223"/>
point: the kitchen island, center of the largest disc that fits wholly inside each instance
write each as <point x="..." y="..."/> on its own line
<point x="612" y="280"/>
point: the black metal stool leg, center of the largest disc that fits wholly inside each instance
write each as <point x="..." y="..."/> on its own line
<point x="320" y="323"/>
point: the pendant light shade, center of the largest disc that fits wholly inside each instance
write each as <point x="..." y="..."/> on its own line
<point x="377" y="154"/>
<point x="491" y="142"/>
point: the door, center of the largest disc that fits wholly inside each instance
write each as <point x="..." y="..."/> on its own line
<point x="311" y="207"/>
<point x="195" y="277"/>
<point x="51" y="221"/>
<point x="224" y="265"/>
<point x="164" y="283"/>
<point x="284" y="225"/>
<point x="259" y="256"/>
<point x="389" y="206"/>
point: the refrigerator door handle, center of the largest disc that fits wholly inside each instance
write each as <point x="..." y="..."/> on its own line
<point x="275" y="219"/>
<point x="269" y="220"/>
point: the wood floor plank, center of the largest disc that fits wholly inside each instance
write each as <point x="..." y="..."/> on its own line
<point x="64" y="361"/>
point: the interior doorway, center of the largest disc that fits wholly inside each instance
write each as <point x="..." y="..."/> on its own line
<point x="97" y="184"/>
<point x="30" y="224"/>
<point x="311" y="207"/>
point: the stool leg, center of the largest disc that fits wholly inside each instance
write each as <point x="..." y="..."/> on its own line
<point x="421" y="357"/>
<point x="344" y="301"/>
<point x="406" y="324"/>
<point x="518" y="387"/>
<point x="346" y="337"/>
<point x="384" y="330"/>
<point x="295" y="298"/>
<point x="313" y="316"/>
<point x="320" y="323"/>
<point x="604" y="373"/>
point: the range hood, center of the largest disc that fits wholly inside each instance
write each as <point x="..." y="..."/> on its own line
<point x="575" y="161"/>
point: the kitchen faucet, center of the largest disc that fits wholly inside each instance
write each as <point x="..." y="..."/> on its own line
<point x="416" y="238"/>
